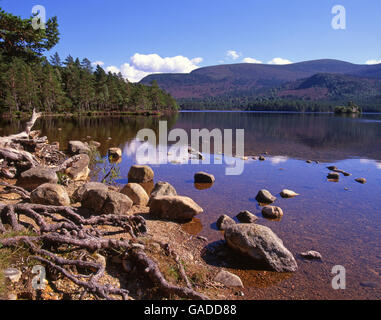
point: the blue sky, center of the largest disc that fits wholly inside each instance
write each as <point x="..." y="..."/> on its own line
<point x="145" y="36"/>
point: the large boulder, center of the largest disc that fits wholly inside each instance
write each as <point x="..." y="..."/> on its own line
<point x="78" y="147"/>
<point x="203" y="177"/>
<point x="79" y="168"/>
<point x="34" y="177"/>
<point x="140" y="174"/>
<point x="264" y="196"/>
<point x="261" y="244"/>
<point x="174" y="207"/>
<point x="50" y="194"/>
<point x="79" y="192"/>
<point x="106" y="202"/>
<point x="136" y="193"/>
<point x="224" y="221"/>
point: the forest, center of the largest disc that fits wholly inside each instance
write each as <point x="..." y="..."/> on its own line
<point x="29" y="79"/>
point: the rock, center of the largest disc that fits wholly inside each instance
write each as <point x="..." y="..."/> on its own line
<point x="288" y="194"/>
<point x="106" y="202"/>
<point x="261" y="244"/>
<point x="228" y="279"/>
<point x="78" y="147"/>
<point x="332" y="168"/>
<point x="136" y="193"/>
<point x="312" y="255"/>
<point x="50" y="194"/>
<point x="174" y="207"/>
<point x="203" y="177"/>
<point x="361" y="180"/>
<point x="246" y="217"/>
<point x="224" y="221"/>
<point x="333" y="176"/>
<point x="272" y="212"/>
<point x="163" y="189"/>
<point x="35" y="177"/>
<point x="261" y="158"/>
<point x="13" y="274"/>
<point x="139" y="174"/>
<point x="78" y="194"/>
<point x="12" y="296"/>
<point x="309" y="161"/>
<point x="79" y="169"/>
<point x="114" y="153"/>
<point x="265" y="196"/>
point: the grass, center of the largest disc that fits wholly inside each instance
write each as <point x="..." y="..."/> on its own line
<point x="12" y="257"/>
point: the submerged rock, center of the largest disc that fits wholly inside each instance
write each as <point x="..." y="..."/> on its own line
<point x="288" y="194"/>
<point x="312" y="255"/>
<point x="174" y="207"/>
<point x="140" y="174"/>
<point x="264" y="196"/>
<point x="136" y="193"/>
<point x="261" y="244"/>
<point x="272" y="212"/>
<point x="333" y="176"/>
<point x="361" y="180"/>
<point x="228" y="279"/>
<point x="34" y="177"/>
<point x="332" y="168"/>
<point x="224" y="221"/>
<point x="50" y="194"/>
<point x="203" y="177"/>
<point x="246" y="217"/>
<point x="78" y="147"/>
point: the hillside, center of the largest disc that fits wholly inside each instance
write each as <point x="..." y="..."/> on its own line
<point x="318" y="80"/>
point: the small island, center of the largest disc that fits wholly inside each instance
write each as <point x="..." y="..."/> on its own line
<point x="352" y="108"/>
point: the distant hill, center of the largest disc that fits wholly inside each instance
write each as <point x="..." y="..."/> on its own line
<point x="317" y="80"/>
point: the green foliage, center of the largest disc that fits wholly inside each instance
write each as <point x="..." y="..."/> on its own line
<point x="19" y="39"/>
<point x="28" y="80"/>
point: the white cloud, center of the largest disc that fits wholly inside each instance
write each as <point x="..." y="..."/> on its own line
<point x="98" y="63"/>
<point x="155" y="63"/>
<point x="112" y="69"/>
<point x="233" y="54"/>
<point x="142" y="65"/>
<point x="374" y="61"/>
<point x="279" y="61"/>
<point x="251" y="60"/>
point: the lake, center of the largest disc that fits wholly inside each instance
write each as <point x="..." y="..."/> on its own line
<point x="341" y="220"/>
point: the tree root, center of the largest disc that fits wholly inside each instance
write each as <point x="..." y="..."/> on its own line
<point x="69" y="228"/>
<point x="154" y="273"/>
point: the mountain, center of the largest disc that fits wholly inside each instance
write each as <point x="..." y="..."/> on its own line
<point x="310" y="80"/>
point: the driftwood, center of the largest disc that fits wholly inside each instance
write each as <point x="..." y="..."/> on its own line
<point x="12" y="148"/>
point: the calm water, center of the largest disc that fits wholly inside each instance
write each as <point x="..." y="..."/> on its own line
<point x="341" y="220"/>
